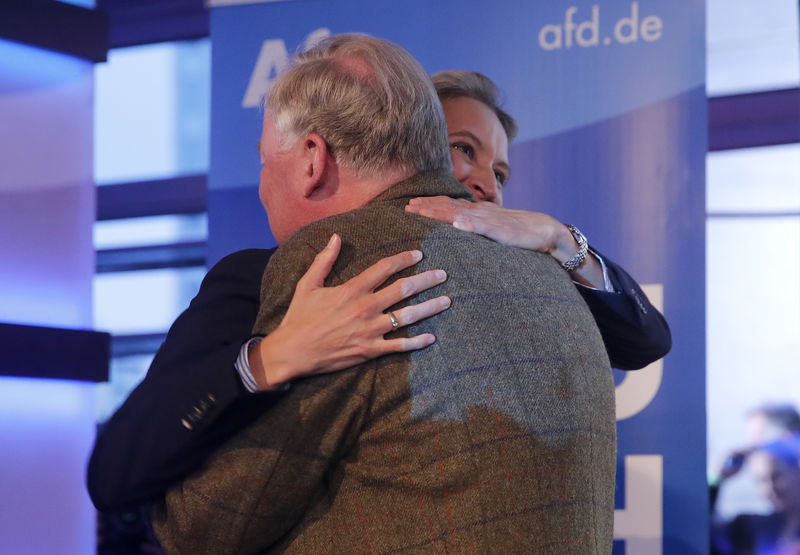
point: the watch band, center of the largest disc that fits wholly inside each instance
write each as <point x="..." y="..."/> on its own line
<point x="583" y="247"/>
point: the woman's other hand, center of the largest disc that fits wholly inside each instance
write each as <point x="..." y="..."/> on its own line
<point x="327" y="329"/>
<point x="534" y="231"/>
<point x="516" y="228"/>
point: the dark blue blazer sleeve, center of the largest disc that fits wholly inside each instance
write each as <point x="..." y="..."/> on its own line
<point x="192" y="398"/>
<point x="634" y="332"/>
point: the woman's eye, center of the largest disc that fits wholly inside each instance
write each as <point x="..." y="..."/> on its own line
<point x="466" y="149"/>
<point x="501" y="178"/>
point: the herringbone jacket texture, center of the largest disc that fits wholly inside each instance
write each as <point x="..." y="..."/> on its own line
<point x="498" y="438"/>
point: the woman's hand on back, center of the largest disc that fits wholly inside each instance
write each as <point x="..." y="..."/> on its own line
<point x="326" y="329"/>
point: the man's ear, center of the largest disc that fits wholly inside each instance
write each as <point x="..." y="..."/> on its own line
<point x="316" y="161"/>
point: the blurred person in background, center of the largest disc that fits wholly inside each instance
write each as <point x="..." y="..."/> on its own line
<point x="776" y="467"/>
<point x="766" y="424"/>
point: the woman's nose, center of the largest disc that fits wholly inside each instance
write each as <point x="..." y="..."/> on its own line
<point x="484" y="187"/>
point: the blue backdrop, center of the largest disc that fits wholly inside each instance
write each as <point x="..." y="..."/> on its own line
<point x="610" y="97"/>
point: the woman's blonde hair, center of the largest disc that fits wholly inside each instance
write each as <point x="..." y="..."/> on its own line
<point x="471" y="84"/>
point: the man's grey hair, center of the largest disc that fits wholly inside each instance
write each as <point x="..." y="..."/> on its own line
<point x="370" y="101"/>
<point x="471" y="84"/>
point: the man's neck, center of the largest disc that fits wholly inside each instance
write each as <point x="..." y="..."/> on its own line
<point x="345" y="191"/>
<point x="358" y="190"/>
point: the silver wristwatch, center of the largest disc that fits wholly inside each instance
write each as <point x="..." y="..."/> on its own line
<point x="583" y="247"/>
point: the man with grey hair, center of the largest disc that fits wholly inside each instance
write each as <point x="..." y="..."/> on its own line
<point x="498" y="438"/>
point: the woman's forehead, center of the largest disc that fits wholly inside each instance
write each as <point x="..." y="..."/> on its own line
<point x="467" y="115"/>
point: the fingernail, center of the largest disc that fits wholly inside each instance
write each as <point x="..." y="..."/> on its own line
<point x="416" y="255"/>
<point x="446" y="302"/>
<point x="331" y="241"/>
<point x="459" y="225"/>
<point x="441" y="275"/>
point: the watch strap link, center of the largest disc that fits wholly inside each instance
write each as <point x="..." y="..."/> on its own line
<point x="583" y="248"/>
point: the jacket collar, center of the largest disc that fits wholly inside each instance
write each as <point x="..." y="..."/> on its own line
<point x="424" y="184"/>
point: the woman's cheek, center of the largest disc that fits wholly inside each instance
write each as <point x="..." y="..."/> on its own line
<point x="461" y="169"/>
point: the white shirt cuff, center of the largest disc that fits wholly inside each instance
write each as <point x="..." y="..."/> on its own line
<point x="242" y="365"/>
<point x="607" y="285"/>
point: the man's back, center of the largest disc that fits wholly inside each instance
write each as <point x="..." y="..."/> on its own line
<point x="497" y="438"/>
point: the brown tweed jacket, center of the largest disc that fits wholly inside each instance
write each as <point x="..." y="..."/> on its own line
<point x="499" y="438"/>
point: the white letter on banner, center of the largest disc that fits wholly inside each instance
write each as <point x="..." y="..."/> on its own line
<point x="631" y="23"/>
<point x="593" y="26"/>
<point x="640" y="524"/>
<point x="314" y="38"/>
<point x="272" y="61"/>
<point x="551" y="44"/>
<point x="569" y="25"/>
<point x="639" y="387"/>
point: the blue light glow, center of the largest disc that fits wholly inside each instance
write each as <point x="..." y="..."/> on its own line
<point x="25" y="397"/>
<point x="25" y="67"/>
<point x="48" y="429"/>
<point x="84" y="3"/>
<point x="164" y="129"/>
